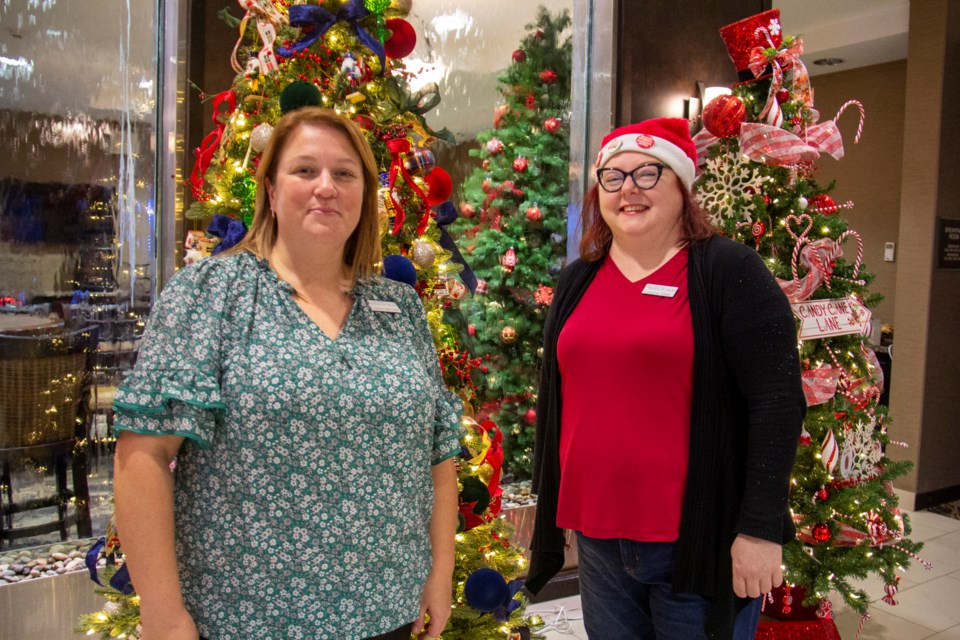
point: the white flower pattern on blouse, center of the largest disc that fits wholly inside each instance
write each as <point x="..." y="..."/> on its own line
<point x="304" y="490"/>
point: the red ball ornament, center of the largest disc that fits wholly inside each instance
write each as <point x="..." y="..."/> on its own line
<point x="519" y="56"/>
<point x="403" y="40"/>
<point x="821" y="532"/>
<point x="552" y="125"/>
<point x="782" y="96"/>
<point x="472" y="330"/>
<point x="439" y="186"/>
<point x="498" y="115"/>
<point x="494" y="146"/>
<point x="366" y="122"/>
<point x="823" y="201"/>
<point x="467" y="210"/>
<point x="520" y="164"/>
<point x="823" y="494"/>
<point x="548" y="76"/>
<point x="534" y="214"/>
<point x="508" y="335"/>
<point x="723" y="116"/>
<point x="766" y="200"/>
<point x="530" y="417"/>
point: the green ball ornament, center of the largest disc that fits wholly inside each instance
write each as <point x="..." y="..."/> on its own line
<point x="299" y="94"/>
<point x="475" y="491"/>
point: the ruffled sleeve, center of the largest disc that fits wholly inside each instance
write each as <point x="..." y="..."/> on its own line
<point x="174" y="388"/>
<point x="447" y="429"/>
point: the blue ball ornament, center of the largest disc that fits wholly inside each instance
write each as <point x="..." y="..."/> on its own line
<point x="446" y="213"/>
<point x="485" y="590"/>
<point x="397" y="267"/>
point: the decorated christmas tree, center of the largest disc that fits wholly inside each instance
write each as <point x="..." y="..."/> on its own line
<point x="513" y="227"/>
<point x="758" y="150"/>
<point x="347" y="56"/>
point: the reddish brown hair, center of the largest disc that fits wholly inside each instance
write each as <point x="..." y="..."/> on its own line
<point x="597" y="237"/>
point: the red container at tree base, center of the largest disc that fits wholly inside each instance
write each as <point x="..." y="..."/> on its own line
<point x="819" y="629"/>
<point x="788" y="605"/>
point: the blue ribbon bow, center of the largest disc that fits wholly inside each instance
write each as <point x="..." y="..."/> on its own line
<point x="316" y="21"/>
<point x="446" y="213"/>
<point x="229" y="230"/>
<point x="119" y="581"/>
<point x="501" y="613"/>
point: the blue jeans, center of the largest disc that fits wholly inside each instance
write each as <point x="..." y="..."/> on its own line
<point x="626" y="594"/>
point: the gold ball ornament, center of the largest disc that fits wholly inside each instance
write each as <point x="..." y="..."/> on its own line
<point x="260" y="136"/>
<point x="422" y="254"/>
<point x="508" y="335"/>
<point x="485" y="472"/>
<point x="403" y="6"/>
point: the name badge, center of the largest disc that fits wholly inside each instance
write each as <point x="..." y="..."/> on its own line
<point x="385" y="306"/>
<point x="662" y="290"/>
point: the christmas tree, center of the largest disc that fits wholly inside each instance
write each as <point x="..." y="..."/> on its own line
<point x="347" y="56"/>
<point x="513" y="227"/>
<point x="758" y="151"/>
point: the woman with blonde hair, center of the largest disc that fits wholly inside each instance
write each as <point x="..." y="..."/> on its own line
<point x="314" y="493"/>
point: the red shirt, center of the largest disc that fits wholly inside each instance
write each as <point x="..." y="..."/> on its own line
<point x="626" y="367"/>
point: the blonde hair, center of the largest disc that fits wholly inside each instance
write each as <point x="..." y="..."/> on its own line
<point x="361" y="253"/>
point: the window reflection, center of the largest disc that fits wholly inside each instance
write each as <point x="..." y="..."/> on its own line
<point x="77" y="229"/>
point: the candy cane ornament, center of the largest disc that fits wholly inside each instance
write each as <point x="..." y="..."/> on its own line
<point x="863" y="116"/>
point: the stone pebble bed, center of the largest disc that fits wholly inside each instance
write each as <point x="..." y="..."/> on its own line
<point x="17" y="565"/>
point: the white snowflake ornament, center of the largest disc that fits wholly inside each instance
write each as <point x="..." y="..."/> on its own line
<point x="722" y="183"/>
<point x="861" y="452"/>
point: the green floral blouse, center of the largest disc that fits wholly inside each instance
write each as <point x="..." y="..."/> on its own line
<point x="303" y="499"/>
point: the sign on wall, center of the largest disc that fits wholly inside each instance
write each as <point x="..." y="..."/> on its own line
<point x="948" y="243"/>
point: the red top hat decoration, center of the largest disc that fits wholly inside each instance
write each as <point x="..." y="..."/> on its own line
<point x="743" y="36"/>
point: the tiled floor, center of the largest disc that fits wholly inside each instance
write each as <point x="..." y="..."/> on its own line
<point x="929" y="601"/>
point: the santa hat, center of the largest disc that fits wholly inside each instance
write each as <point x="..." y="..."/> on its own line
<point x="743" y="36"/>
<point x="666" y="139"/>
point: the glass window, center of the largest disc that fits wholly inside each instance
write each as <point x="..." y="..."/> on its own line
<point x="78" y="95"/>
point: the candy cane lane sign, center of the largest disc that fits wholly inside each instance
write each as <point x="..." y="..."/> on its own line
<point x="825" y="318"/>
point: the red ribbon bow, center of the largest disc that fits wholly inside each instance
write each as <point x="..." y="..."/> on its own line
<point x="397" y="147"/>
<point x="210" y="144"/>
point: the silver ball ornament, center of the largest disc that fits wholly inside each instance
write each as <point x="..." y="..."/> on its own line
<point x="260" y="136"/>
<point x="422" y="254"/>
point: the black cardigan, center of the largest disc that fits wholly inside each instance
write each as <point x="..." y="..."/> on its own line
<point x="746" y="416"/>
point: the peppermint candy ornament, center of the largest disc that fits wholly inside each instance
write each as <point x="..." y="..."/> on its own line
<point x="829" y="452"/>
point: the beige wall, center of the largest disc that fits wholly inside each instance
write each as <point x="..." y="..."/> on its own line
<point x="926" y="360"/>
<point x="870" y="171"/>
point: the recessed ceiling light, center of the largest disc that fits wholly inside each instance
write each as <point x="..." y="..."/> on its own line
<point x="829" y="62"/>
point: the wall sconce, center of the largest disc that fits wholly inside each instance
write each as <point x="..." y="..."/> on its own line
<point x="709" y="93"/>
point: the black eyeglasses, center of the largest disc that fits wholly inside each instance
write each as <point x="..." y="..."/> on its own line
<point x="646" y="176"/>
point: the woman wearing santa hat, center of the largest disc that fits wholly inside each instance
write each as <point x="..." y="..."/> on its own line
<point x="669" y="409"/>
